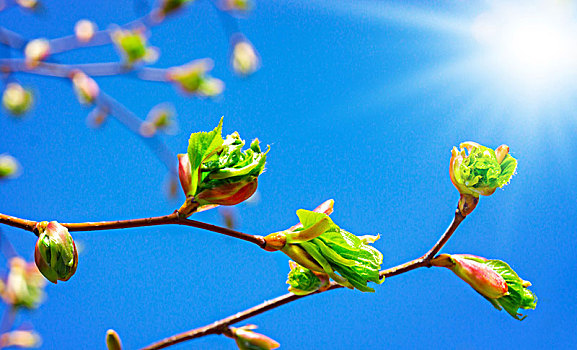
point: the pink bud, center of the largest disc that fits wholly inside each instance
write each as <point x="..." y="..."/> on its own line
<point x="229" y="194"/>
<point x="185" y="174"/>
<point x="478" y="275"/>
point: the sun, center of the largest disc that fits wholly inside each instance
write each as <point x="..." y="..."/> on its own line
<point x="530" y="48"/>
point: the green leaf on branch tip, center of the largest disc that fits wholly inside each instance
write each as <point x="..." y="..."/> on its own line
<point x="337" y="250"/>
<point x="201" y="146"/>
<point x="481" y="170"/>
<point x="518" y="297"/>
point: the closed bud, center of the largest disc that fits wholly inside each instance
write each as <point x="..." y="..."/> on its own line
<point x="246" y="339"/>
<point x="16" y="99"/>
<point x="9" y="166"/>
<point x="55" y="254"/>
<point x="84" y="30"/>
<point x="113" y="340"/>
<point x="493" y="279"/>
<point x="85" y="87"/>
<point x="35" y="51"/>
<point x="244" y="58"/>
<point x="193" y="78"/>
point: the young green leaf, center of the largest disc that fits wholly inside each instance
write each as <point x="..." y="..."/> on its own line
<point x="201" y="146"/>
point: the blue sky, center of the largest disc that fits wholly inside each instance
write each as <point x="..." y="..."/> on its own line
<point x="361" y="101"/>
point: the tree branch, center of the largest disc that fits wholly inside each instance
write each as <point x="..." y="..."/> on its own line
<point x="221" y="326"/>
<point x="171" y="219"/>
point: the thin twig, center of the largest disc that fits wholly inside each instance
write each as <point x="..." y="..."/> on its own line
<point x="171" y="219"/>
<point x="221" y="326"/>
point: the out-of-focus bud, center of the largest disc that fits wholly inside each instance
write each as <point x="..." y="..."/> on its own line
<point x="236" y="5"/>
<point x="303" y="281"/>
<point x="9" y="166"/>
<point x="132" y="46"/>
<point x="113" y="340"/>
<point x="493" y="279"/>
<point x="55" y="254"/>
<point x="193" y="78"/>
<point x="24" y="286"/>
<point x="244" y="58"/>
<point x="318" y="244"/>
<point x="160" y="117"/>
<point x="35" y="51"/>
<point x="169" y="6"/>
<point x="84" y="30"/>
<point x="217" y="171"/>
<point x="246" y="339"/>
<point x="85" y="87"/>
<point x="97" y="117"/>
<point x="20" y="339"/>
<point x="229" y="216"/>
<point x="28" y="4"/>
<point x="16" y="99"/>
<point x="477" y="170"/>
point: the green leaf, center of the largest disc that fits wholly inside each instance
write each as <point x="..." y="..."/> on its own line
<point x="302" y="281"/>
<point x="309" y="218"/>
<point x="201" y="146"/>
<point x="314" y="225"/>
<point x="519" y="297"/>
<point x="508" y="167"/>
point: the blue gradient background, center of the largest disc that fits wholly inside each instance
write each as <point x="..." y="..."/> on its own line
<point x="357" y="106"/>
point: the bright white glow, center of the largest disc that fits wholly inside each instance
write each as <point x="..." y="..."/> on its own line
<point x="532" y="48"/>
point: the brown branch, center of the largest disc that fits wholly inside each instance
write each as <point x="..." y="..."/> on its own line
<point x="171" y="219"/>
<point x="221" y="326"/>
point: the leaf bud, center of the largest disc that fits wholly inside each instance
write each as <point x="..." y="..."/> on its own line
<point x="319" y="245"/>
<point x="56" y="255"/>
<point x="478" y="170"/>
<point x="303" y="281"/>
<point x="16" y="99"/>
<point x="217" y="171"/>
<point x="246" y="339"/>
<point x="113" y="340"/>
<point x="493" y="279"/>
